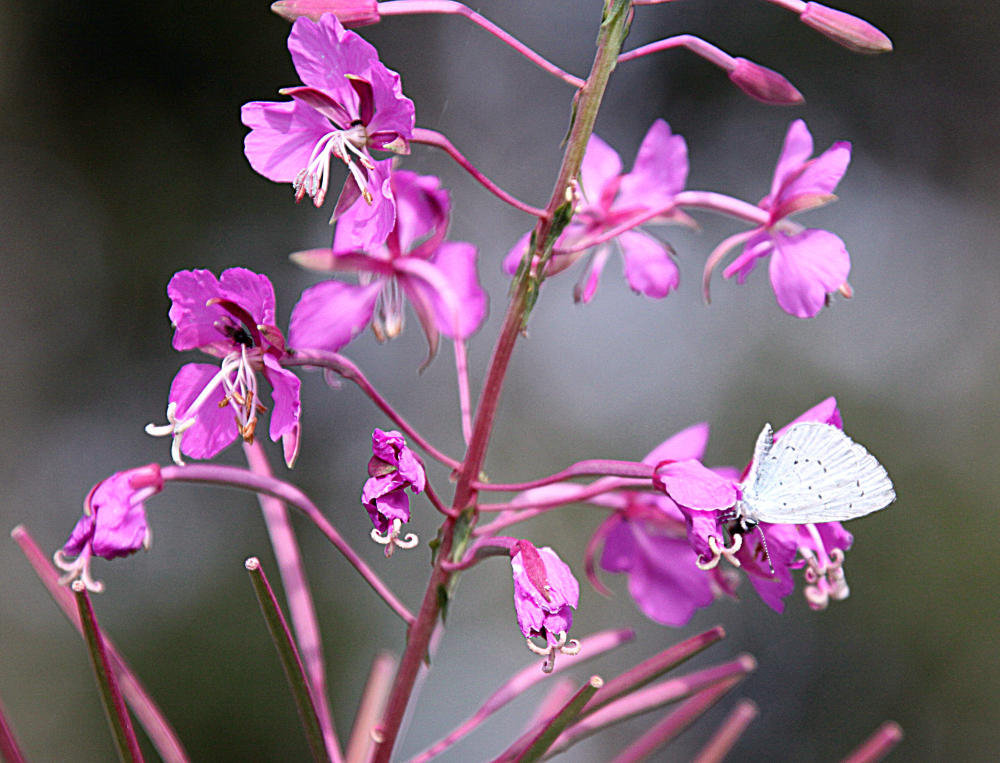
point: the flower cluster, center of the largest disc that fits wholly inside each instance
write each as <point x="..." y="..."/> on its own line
<point x="672" y="520"/>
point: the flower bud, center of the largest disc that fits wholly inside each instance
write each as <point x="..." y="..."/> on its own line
<point x="844" y="29"/>
<point x="350" y="13"/>
<point x="763" y="84"/>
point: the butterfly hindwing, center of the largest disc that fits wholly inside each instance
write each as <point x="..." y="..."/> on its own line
<point x="814" y="473"/>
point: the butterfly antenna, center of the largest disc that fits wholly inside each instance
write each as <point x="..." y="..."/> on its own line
<point x="763" y="543"/>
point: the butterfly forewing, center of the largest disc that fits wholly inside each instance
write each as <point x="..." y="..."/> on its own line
<point x="814" y="473"/>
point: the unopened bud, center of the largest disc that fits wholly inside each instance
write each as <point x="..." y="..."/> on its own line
<point x="763" y="84"/>
<point x="844" y="29"/>
<point x="348" y="12"/>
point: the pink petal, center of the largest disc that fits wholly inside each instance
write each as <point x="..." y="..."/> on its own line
<point x="601" y="164"/>
<point x="422" y="209"/>
<point x="324" y="52"/>
<point x="693" y="486"/>
<point x="649" y="268"/>
<point x="687" y="444"/>
<point x="282" y="137"/>
<point x="797" y="149"/>
<point x="331" y="314"/>
<point x="451" y="285"/>
<point x="287" y="408"/>
<point x="660" y="170"/>
<point x="366" y="225"/>
<point x="215" y="426"/>
<point x="759" y="245"/>
<point x="818" y="177"/>
<point x="825" y="412"/>
<point x="194" y="319"/>
<point x="585" y="290"/>
<point x="805" y="268"/>
<point x="516" y="254"/>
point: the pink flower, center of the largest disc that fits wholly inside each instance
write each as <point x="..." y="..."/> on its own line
<point x="769" y="554"/>
<point x="392" y="468"/>
<point x="350" y="102"/>
<point x="438" y="277"/>
<point x="645" y="539"/>
<point x="609" y="200"/>
<point x="113" y="523"/>
<point x="231" y="317"/>
<point x="545" y="593"/>
<point x="806" y="264"/>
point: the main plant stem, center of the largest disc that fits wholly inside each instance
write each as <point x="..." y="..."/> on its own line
<point x="614" y="27"/>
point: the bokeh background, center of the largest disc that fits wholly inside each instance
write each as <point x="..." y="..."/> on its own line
<point x="121" y="163"/>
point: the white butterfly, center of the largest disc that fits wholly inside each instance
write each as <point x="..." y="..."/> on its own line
<point x="814" y="473"/>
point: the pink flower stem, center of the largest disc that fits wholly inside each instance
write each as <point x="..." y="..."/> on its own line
<point x="370" y="708"/>
<point x="436" y="501"/>
<point x="708" y="200"/>
<point x="726" y="736"/>
<point x="593" y="467"/>
<point x="399" y="7"/>
<point x="696" y="45"/>
<point x="596" y="488"/>
<point x="434" y="138"/>
<point x="676" y="722"/>
<point x="298" y="595"/>
<point x="464" y="400"/>
<point x="591" y="647"/>
<point x="651" y="698"/>
<point x="878" y="745"/>
<point x="302" y="692"/>
<point x="231" y="476"/>
<point x="345" y="368"/>
<point x="10" y="750"/>
<point x="727" y="205"/>
<point x="114" y="705"/>
<point x="157" y="727"/>
<point x="651" y="669"/>
<point x="614" y="26"/>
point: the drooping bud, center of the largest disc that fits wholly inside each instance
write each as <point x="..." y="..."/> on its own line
<point x="350" y="13"/>
<point x="764" y="84"/>
<point x="844" y="29"/>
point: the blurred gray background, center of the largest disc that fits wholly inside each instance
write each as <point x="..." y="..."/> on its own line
<point x="121" y="162"/>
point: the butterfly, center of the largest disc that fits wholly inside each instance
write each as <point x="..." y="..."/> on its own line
<point x="814" y="473"/>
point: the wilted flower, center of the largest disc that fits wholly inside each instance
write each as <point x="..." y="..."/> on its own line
<point x="545" y="593"/>
<point x="231" y="317"/>
<point x="392" y="468"/>
<point x="610" y="200"/>
<point x="113" y="523"/>
<point x="350" y="102"/>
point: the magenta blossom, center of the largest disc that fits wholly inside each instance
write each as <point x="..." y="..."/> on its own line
<point x="610" y="200"/>
<point x="807" y="264"/>
<point x="113" y="523"/>
<point x="769" y="553"/>
<point x="349" y="103"/>
<point x="545" y="593"/>
<point x="231" y="317"/>
<point x="438" y="277"/>
<point x="392" y="468"/>
<point x="645" y="539"/>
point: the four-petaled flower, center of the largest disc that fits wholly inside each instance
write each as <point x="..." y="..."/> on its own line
<point x="231" y="317"/>
<point x="645" y="540"/>
<point x="609" y="201"/>
<point x="771" y="551"/>
<point x="349" y="103"/>
<point x="438" y="277"/>
<point x="545" y="593"/>
<point x="113" y="523"/>
<point x="392" y="468"/>
<point x="807" y="264"/>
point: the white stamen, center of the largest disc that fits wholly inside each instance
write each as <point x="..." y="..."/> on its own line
<point x="347" y="145"/>
<point x="391" y="539"/>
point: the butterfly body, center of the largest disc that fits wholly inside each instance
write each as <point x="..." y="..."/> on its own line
<point x="814" y="473"/>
